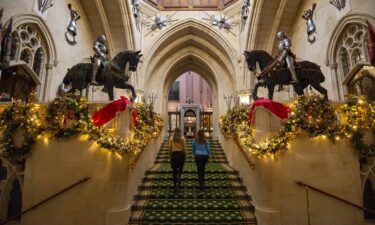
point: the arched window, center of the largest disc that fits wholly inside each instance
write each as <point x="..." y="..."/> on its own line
<point x="358" y="57"/>
<point x="14" y="48"/>
<point x="26" y="56"/>
<point x="344" y="60"/>
<point x="38" y="61"/>
<point x="30" y="53"/>
<point x="31" y="46"/>
<point x="356" y="74"/>
<point x="352" y="48"/>
<point x="347" y="54"/>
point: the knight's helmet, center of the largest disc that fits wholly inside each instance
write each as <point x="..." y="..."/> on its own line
<point x="280" y="35"/>
<point x="101" y="38"/>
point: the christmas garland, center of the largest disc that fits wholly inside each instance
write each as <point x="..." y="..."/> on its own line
<point x="234" y="118"/>
<point x="19" y="118"/>
<point x="66" y="117"/>
<point x="359" y="116"/>
<point x="149" y="125"/>
<point x="310" y="115"/>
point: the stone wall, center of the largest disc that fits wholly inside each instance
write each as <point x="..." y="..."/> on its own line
<point x="327" y="18"/>
<point x="104" y="199"/>
<point x="56" y="22"/>
<point x="332" y="167"/>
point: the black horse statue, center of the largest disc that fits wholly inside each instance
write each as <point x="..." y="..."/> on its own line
<point x="111" y="76"/>
<point x="308" y="73"/>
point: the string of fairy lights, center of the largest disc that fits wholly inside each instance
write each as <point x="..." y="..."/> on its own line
<point x="311" y="116"/>
<point x="67" y="117"/>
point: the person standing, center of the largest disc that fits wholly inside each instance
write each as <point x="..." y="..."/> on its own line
<point x="201" y="152"/>
<point x="177" y="148"/>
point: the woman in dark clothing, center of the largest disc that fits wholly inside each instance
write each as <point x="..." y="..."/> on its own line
<point x="201" y="152"/>
<point x="177" y="148"/>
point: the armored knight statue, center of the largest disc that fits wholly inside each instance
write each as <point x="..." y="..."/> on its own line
<point x="286" y="55"/>
<point x="100" y="56"/>
<point x="72" y="26"/>
<point x="311" y="28"/>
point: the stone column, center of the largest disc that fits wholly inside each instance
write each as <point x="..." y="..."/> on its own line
<point x="45" y="90"/>
<point x="336" y="86"/>
<point x="123" y="123"/>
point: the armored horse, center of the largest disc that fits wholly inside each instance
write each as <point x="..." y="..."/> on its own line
<point x="308" y="73"/>
<point x="111" y="75"/>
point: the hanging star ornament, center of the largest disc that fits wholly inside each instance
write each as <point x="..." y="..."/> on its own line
<point x="159" y="21"/>
<point x="221" y="21"/>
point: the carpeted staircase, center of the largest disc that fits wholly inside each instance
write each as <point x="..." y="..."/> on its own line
<point x="224" y="201"/>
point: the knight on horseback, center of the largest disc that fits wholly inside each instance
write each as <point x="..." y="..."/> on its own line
<point x="100" y="57"/>
<point x="286" y="55"/>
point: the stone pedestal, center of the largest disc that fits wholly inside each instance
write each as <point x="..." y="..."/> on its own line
<point x="332" y="167"/>
<point x="265" y="123"/>
<point x="123" y="123"/>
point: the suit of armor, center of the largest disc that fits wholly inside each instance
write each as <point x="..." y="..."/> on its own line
<point x="100" y="56"/>
<point x="286" y="55"/>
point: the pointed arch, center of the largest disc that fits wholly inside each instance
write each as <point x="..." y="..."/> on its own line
<point x="21" y="19"/>
<point x="192" y="31"/>
<point x="340" y="59"/>
<point x="33" y="41"/>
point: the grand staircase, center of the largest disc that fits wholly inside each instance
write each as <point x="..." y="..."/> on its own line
<point x="224" y="201"/>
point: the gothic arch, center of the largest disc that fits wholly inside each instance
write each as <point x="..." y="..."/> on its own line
<point x="187" y="31"/>
<point x="19" y="20"/>
<point x="44" y="56"/>
<point x="332" y="50"/>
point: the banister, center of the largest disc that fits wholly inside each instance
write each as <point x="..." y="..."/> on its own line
<point x="252" y="165"/>
<point x="45" y="200"/>
<point x="138" y="156"/>
<point x="335" y="197"/>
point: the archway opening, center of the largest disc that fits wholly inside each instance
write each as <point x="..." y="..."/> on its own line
<point x="190" y="105"/>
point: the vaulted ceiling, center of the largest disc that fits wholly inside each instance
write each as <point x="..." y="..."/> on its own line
<point x="271" y="16"/>
<point x="113" y="18"/>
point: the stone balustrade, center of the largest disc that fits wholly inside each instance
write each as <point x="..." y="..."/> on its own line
<point x="332" y="167"/>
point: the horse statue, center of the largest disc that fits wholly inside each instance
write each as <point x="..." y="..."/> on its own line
<point x="111" y="75"/>
<point x="308" y="73"/>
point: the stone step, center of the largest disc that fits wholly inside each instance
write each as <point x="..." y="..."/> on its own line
<point x="218" y="168"/>
<point x="209" y="185"/>
<point x="193" y="204"/>
<point x="192" y="217"/>
<point x="192" y="177"/>
<point x="192" y="194"/>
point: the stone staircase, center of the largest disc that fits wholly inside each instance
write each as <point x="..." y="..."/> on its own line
<point x="224" y="201"/>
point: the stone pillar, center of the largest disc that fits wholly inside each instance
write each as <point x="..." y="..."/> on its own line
<point x="336" y="85"/>
<point x="46" y="83"/>
<point x="123" y="123"/>
<point x="265" y="123"/>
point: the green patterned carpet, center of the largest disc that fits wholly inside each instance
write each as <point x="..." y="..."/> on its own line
<point x="224" y="201"/>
